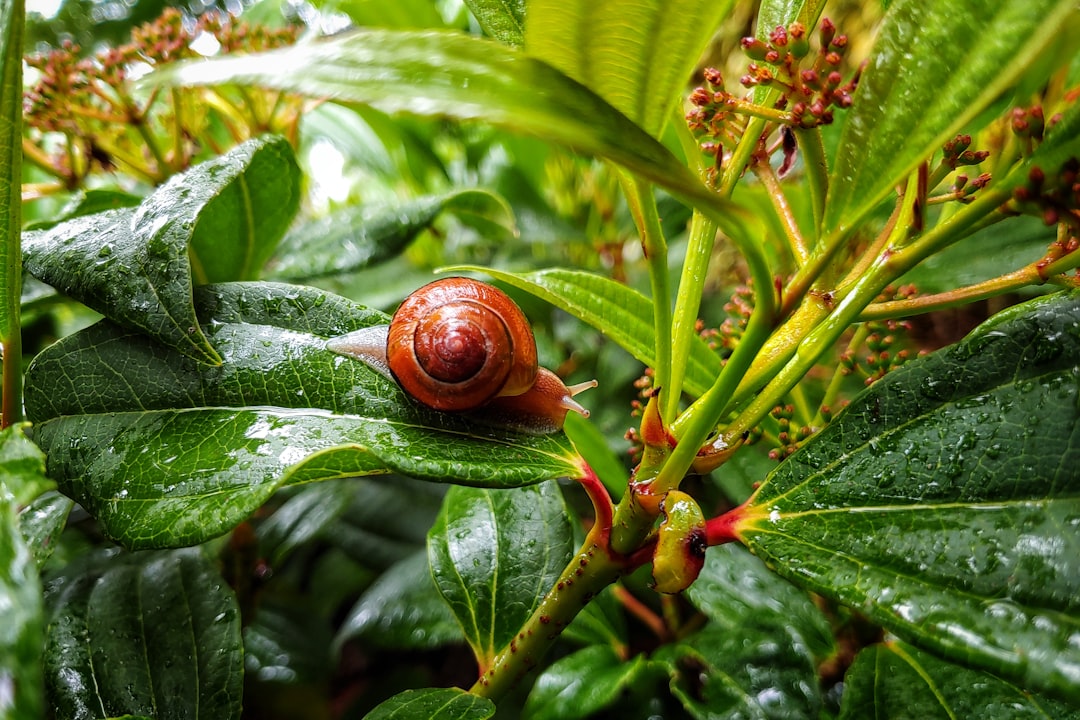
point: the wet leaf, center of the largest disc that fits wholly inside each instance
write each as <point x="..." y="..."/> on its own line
<point x="758" y="670"/>
<point x="895" y="681"/>
<point x="494" y="555"/>
<point x="154" y="634"/>
<point x="402" y="609"/>
<point x="357" y="237"/>
<point x="434" y="704"/>
<point x="22" y="630"/>
<point x="387" y="519"/>
<point x="943" y="502"/>
<point x="638" y="56"/>
<point x="735" y="587"/>
<point x="448" y="74"/>
<point x="582" y="684"/>
<point x="172" y="452"/>
<point x="934" y="68"/>
<point x="286" y="643"/>
<point x="218" y="221"/>
<point x="42" y="521"/>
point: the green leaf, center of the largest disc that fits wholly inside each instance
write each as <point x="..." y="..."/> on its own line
<point x="621" y="313"/>
<point x="286" y="643"/>
<point x="734" y="587"/>
<point x="503" y="20"/>
<point x="402" y="609"/>
<point x="240" y="206"/>
<point x="583" y="683"/>
<point x="42" y="521"/>
<point x="448" y="74"/>
<point x="636" y="55"/>
<point x="494" y="555"/>
<point x="154" y="634"/>
<point x="783" y="12"/>
<point x="302" y="517"/>
<point x="943" y="502"/>
<point x="434" y="704"/>
<point x="601" y="622"/>
<point x="357" y="237"/>
<point x="934" y="69"/>
<point x="134" y="265"/>
<point x="896" y="681"/>
<point x="591" y="442"/>
<point x="387" y="519"/>
<point x="22" y="630"/>
<point x="757" y="670"/>
<point x="89" y="202"/>
<point x="172" y="452"/>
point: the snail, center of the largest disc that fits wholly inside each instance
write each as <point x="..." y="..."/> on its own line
<point x="458" y="344"/>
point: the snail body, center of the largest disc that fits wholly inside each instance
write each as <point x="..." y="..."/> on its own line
<point x="457" y="345"/>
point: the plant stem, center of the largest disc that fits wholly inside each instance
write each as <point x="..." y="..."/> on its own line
<point x="817" y="171"/>
<point x="12" y="22"/>
<point x="643" y="206"/>
<point x="589" y="572"/>
<point x="796" y="244"/>
<point x="702" y="237"/>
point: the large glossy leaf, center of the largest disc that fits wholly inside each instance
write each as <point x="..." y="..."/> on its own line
<point x="895" y="681"/>
<point x="582" y="684"/>
<point x="944" y="502"/>
<point x="218" y="221"/>
<point x="494" y="555"/>
<point x="402" y="609"/>
<point x="734" y="587"/>
<point x="447" y="74"/>
<point x="757" y="670"/>
<point x="621" y="313"/>
<point x="22" y="629"/>
<point x="636" y="55"/>
<point x="935" y="67"/>
<point x="434" y="704"/>
<point x="357" y="237"/>
<point x="154" y="634"/>
<point x="165" y="451"/>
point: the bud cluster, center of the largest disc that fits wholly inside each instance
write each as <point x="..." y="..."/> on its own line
<point x="789" y="436"/>
<point x="106" y="125"/>
<point x="726" y="337"/>
<point x="884" y="344"/>
<point x="810" y="86"/>
<point x="1053" y="197"/>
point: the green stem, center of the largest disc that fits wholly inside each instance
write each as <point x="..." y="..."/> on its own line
<point x="782" y="209"/>
<point x="12" y="20"/>
<point x="643" y="205"/>
<point x="817" y="171"/>
<point x="699" y="249"/>
<point x="701" y="418"/>
<point x="591" y="570"/>
<point x="740" y="158"/>
<point x="1026" y="276"/>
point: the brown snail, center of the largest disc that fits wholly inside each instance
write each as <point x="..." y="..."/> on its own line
<point x="458" y="344"/>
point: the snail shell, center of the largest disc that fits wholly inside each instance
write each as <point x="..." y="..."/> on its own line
<point x="458" y="344"/>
